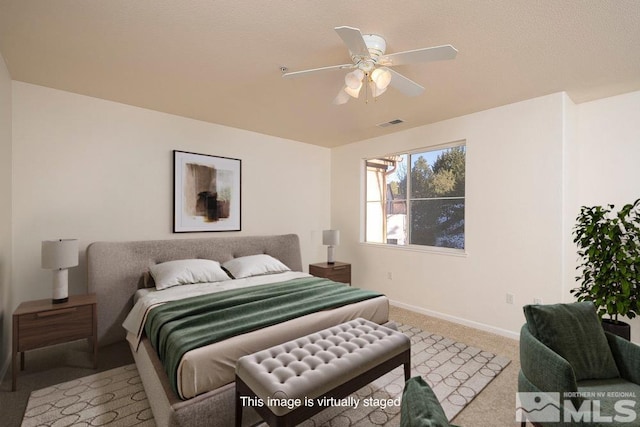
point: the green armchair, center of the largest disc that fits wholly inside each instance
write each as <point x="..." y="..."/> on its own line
<point x="575" y="371"/>
<point x="420" y="406"/>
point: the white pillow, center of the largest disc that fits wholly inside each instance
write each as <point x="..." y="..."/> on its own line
<point x="254" y="265"/>
<point x="187" y="271"/>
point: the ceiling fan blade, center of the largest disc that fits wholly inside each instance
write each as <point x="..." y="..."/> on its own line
<point x="352" y="37"/>
<point x="341" y="98"/>
<point x="294" y="74"/>
<point x="404" y="84"/>
<point x="437" y="53"/>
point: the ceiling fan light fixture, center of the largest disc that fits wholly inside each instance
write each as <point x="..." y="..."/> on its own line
<point x="354" y="92"/>
<point x="381" y="77"/>
<point x="375" y="90"/>
<point x="353" y="79"/>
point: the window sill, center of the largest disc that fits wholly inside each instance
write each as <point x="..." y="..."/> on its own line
<point x="417" y="248"/>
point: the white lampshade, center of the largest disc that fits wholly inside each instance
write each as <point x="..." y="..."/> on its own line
<point x="353" y="92"/>
<point x="59" y="255"/>
<point x="382" y="78"/>
<point x="331" y="237"/>
<point x="353" y="79"/>
<point x="375" y="90"/>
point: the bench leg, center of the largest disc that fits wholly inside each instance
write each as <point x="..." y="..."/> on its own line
<point x="407" y="366"/>
<point x="238" y="409"/>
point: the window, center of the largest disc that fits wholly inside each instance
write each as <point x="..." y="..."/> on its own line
<point x="417" y="198"/>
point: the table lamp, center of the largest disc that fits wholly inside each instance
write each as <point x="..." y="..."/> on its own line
<point x="59" y="256"/>
<point x="331" y="238"/>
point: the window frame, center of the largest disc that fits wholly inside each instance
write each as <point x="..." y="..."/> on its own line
<point x="408" y="246"/>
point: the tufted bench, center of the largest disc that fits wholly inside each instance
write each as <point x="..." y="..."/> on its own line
<point x="281" y="382"/>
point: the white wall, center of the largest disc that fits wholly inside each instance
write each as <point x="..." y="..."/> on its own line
<point x="605" y="167"/>
<point x="514" y="217"/>
<point x="98" y="170"/>
<point x="5" y="217"/>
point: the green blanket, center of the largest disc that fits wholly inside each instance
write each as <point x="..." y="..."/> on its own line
<point x="176" y="327"/>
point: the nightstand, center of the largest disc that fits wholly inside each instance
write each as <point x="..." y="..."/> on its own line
<point x="338" y="272"/>
<point x="41" y="323"/>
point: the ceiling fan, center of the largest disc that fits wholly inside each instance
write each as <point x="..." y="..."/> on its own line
<point x="371" y="68"/>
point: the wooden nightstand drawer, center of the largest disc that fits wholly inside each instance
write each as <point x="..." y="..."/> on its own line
<point x="54" y="327"/>
<point x="338" y="272"/>
<point x="42" y="323"/>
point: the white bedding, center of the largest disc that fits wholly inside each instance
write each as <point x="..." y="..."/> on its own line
<point x="212" y="366"/>
<point x="146" y="299"/>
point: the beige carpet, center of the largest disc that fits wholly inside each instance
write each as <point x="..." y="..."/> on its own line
<point x="456" y="372"/>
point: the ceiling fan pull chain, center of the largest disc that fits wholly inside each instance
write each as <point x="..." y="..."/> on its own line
<point x="366" y="88"/>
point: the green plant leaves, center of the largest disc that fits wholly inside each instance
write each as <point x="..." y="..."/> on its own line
<point x="609" y="247"/>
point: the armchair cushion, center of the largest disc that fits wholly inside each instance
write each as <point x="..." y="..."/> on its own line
<point x="420" y="406"/>
<point x="574" y="332"/>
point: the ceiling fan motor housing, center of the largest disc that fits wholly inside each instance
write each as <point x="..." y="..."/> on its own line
<point x="376" y="46"/>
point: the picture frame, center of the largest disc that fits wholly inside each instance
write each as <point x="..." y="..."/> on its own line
<point x="206" y="193"/>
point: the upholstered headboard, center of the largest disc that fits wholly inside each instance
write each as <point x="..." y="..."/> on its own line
<point x="115" y="269"/>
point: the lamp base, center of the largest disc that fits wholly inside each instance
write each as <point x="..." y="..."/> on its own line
<point x="330" y="258"/>
<point x="60" y="286"/>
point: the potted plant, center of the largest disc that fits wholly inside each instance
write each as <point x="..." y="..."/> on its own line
<point x="609" y="247"/>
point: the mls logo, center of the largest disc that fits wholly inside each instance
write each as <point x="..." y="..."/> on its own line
<point x="538" y="407"/>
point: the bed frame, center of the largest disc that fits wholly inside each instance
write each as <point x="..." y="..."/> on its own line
<point x="116" y="270"/>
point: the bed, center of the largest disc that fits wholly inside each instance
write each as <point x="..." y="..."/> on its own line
<point x="118" y="274"/>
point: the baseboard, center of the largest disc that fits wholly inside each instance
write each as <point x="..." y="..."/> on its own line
<point x="458" y="320"/>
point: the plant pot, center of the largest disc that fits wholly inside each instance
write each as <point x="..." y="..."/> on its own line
<point x="618" y="328"/>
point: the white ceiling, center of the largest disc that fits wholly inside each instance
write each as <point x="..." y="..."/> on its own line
<point x="219" y="60"/>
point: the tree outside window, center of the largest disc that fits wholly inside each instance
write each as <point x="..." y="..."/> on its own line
<point x="417" y="198"/>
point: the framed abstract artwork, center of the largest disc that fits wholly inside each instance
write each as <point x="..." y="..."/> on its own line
<point x="206" y="193"/>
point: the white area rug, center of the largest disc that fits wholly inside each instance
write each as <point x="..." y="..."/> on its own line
<point x="115" y="398"/>
<point x="455" y="371"/>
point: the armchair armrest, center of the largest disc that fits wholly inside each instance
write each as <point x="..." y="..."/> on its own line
<point x="627" y="357"/>
<point x="543" y="367"/>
